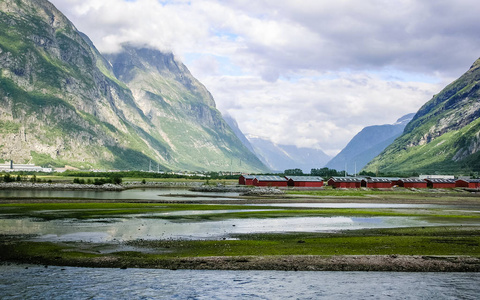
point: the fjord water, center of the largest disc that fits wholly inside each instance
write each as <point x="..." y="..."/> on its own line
<point x="38" y="282"/>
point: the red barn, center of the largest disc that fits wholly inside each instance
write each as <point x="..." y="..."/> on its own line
<point x="468" y="183"/>
<point x="377" y="183"/>
<point x="412" y="183"/>
<point x="246" y="179"/>
<point x="345" y="182"/>
<point x="269" y="181"/>
<point x="304" y="181"/>
<point x="438" y="183"/>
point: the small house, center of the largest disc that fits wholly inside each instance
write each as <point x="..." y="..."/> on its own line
<point x="416" y="183"/>
<point x="468" y="183"/>
<point x="438" y="183"/>
<point x="269" y="181"/>
<point x="246" y="179"/>
<point x="377" y="183"/>
<point x="345" y="182"/>
<point x="304" y="181"/>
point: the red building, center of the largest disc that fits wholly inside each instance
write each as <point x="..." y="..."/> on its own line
<point x="304" y="181"/>
<point x="246" y="179"/>
<point x="345" y="182"/>
<point x="416" y="183"/>
<point x="269" y="181"/>
<point x="468" y="183"/>
<point x="377" y="183"/>
<point x="438" y="183"/>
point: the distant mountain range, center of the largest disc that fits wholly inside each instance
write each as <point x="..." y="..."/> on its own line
<point x="62" y="102"/>
<point x="367" y="144"/>
<point x="444" y="135"/>
<point x="282" y="157"/>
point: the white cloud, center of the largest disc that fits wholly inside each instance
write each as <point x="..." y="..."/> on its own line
<point x="309" y="73"/>
<point x="321" y="113"/>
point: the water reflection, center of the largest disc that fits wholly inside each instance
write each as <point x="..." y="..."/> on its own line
<point x="170" y="194"/>
<point x="105" y="230"/>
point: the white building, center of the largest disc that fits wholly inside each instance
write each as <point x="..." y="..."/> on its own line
<point x="11" y="167"/>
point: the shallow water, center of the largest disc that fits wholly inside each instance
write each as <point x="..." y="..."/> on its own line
<point x="108" y="230"/>
<point x="170" y="194"/>
<point x="357" y="205"/>
<point x="17" y="282"/>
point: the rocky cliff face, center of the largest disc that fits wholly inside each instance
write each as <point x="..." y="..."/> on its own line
<point x="444" y="135"/>
<point x="182" y="111"/>
<point x="367" y="144"/>
<point x="61" y="101"/>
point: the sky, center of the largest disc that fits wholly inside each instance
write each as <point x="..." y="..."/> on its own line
<point x="308" y="73"/>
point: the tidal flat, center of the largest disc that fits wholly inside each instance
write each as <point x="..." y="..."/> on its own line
<point x="431" y="232"/>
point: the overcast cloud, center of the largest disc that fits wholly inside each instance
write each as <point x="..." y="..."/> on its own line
<point x="307" y="73"/>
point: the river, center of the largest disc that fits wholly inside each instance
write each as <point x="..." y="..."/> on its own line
<point x="38" y="282"/>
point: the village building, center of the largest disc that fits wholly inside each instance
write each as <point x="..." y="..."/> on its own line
<point x="345" y="182"/>
<point x="438" y="183"/>
<point x="269" y="181"/>
<point x="246" y="179"/>
<point x="416" y="183"/>
<point x="11" y="167"/>
<point x="304" y="181"/>
<point x="377" y="183"/>
<point x="468" y="183"/>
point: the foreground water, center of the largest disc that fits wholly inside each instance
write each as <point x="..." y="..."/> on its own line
<point x="35" y="282"/>
<point x="152" y="194"/>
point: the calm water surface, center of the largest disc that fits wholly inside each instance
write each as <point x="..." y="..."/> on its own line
<point x="137" y="194"/>
<point x="108" y="230"/>
<point x="17" y="282"/>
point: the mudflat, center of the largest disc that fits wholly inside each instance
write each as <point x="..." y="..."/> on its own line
<point x="450" y="244"/>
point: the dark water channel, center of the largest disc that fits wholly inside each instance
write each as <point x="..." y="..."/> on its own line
<point x="38" y="282"/>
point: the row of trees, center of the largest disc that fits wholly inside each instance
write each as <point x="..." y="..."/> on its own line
<point x="20" y="178"/>
<point x="98" y="181"/>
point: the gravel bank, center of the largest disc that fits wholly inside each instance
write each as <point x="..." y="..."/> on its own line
<point x="386" y="263"/>
<point x="59" y="186"/>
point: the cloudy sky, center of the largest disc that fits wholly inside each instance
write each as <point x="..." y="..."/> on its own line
<point x="301" y="72"/>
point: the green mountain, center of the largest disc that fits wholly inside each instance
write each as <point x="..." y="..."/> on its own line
<point x="62" y="102"/>
<point x="444" y="135"/>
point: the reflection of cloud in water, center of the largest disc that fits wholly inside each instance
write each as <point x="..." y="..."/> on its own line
<point x="151" y="229"/>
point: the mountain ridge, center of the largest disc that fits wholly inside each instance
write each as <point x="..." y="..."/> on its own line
<point x="444" y="135"/>
<point x="367" y="144"/>
<point x="62" y="103"/>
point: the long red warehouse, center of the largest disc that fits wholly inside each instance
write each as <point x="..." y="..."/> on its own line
<point x="269" y="181"/>
<point x="345" y="182"/>
<point x="304" y="181"/>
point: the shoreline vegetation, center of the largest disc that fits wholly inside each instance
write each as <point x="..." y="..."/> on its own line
<point x="424" y="249"/>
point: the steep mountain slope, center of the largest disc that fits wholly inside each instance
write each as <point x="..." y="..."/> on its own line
<point x="234" y="125"/>
<point x="283" y="157"/>
<point x="61" y="103"/>
<point x="182" y="111"/>
<point x="367" y="144"/>
<point x="444" y="135"/>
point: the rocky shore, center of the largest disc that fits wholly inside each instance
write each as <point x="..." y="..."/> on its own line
<point x="103" y="187"/>
<point x="384" y="263"/>
<point x="59" y="186"/>
<point x="243" y="190"/>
